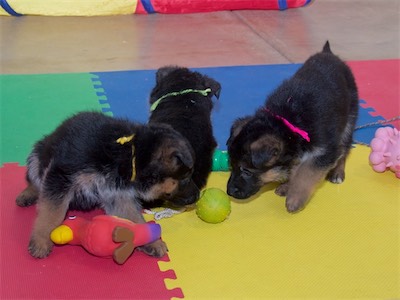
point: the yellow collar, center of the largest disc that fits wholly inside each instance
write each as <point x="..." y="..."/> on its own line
<point x="125" y="139"/>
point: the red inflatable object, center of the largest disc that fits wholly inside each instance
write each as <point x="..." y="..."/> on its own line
<point x="195" y="6"/>
<point x="106" y="235"/>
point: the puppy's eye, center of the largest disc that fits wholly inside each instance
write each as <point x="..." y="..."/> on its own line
<point x="185" y="181"/>
<point x="246" y="173"/>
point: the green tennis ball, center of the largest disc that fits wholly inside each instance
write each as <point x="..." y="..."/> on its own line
<point x="214" y="205"/>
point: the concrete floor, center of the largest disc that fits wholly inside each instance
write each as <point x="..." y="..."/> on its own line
<point x="357" y="30"/>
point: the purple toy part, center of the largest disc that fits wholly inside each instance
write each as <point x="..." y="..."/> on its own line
<point x="385" y="150"/>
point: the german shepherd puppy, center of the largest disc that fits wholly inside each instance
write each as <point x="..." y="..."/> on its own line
<point x="302" y="135"/>
<point x="95" y="161"/>
<point x="183" y="99"/>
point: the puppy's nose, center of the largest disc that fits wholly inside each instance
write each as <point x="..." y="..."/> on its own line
<point x="187" y="201"/>
<point x="167" y="196"/>
<point x="236" y="192"/>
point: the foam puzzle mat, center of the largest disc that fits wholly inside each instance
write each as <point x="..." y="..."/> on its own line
<point x="345" y="244"/>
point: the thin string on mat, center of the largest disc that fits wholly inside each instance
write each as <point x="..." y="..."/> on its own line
<point x="165" y="213"/>
<point x="381" y="122"/>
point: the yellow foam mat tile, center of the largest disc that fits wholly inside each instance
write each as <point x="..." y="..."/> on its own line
<point x="344" y="244"/>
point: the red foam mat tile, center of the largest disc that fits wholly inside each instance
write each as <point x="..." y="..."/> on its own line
<point x="378" y="85"/>
<point x="69" y="272"/>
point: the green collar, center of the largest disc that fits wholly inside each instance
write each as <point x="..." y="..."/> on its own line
<point x="157" y="102"/>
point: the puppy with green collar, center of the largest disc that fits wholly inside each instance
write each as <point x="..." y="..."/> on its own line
<point x="182" y="99"/>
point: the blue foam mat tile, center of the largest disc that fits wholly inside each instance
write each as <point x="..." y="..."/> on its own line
<point x="127" y="92"/>
<point x="244" y="89"/>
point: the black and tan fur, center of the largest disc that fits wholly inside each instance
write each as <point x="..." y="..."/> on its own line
<point x="321" y="99"/>
<point x="84" y="165"/>
<point x="189" y="114"/>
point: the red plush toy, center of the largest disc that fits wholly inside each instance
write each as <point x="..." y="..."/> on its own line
<point x="106" y="235"/>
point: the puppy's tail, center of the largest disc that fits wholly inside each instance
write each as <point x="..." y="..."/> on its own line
<point x="327" y="48"/>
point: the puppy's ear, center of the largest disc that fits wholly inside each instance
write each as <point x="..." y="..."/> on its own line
<point x="177" y="159"/>
<point x="237" y="128"/>
<point x="164" y="71"/>
<point x="265" y="151"/>
<point x="183" y="158"/>
<point x="214" y="85"/>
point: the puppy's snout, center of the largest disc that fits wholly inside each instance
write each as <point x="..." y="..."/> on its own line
<point x="185" y="201"/>
<point x="192" y="199"/>
<point x="235" y="192"/>
<point x="241" y="189"/>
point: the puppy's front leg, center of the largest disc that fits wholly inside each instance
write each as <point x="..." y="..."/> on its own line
<point x="303" y="180"/>
<point x="337" y="174"/>
<point x="50" y="215"/>
<point x="125" y="206"/>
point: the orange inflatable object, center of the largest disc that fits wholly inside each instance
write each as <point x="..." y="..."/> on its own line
<point x="106" y="235"/>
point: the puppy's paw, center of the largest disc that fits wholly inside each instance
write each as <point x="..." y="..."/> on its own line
<point x="282" y="189"/>
<point x="295" y="204"/>
<point x="157" y="248"/>
<point x="27" y="197"/>
<point x="40" y="247"/>
<point x="335" y="176"/>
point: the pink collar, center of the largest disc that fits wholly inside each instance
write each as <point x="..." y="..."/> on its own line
<point x="289" y="125"/>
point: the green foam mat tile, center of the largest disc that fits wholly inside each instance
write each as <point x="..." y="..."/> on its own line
<point x="33" y="105"/>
